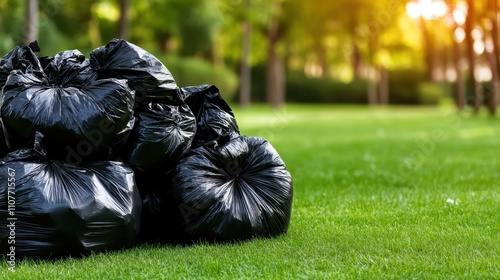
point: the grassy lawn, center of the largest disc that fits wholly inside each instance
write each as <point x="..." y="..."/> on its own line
<point x="406" y="193"/>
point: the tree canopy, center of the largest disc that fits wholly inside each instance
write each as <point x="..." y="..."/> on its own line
<point x="342" y="39"/>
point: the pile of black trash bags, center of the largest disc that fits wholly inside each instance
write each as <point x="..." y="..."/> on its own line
<point x="103" y="153"/>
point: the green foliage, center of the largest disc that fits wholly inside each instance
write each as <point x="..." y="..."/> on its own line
<point x="51" y="40"/>
<point x="386" y="193"/>
<point x="434" y="93"/>
<point x="325" y="90"/>
<point x="229" y="39"/>
<point x="343" y="34"/>
<point x="199" y="22"/>
<point x="404" y="85"/>
<point x="11" y="25"/>
<point x="72" y="21"/>
<point x="192" y="72"/>
<point x="407" y="86"/>
<point x="185" y="27"/>
<point x="410" y="86"/>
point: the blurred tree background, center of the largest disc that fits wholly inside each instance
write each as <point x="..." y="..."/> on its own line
<point x="375" y="52"/>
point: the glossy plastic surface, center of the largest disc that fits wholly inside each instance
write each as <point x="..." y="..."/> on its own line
<point x="59" y="209"/>
<point x="215" y="119"/>
<point x="232" y="192"/>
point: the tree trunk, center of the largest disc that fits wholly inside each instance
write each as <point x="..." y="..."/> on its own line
<point x="495" y="34"/>
<point x="494" y="58"/>
<point x="356" y="60"/>
<point x="275" y="69"/>
<point x="469" y="25"/>
<point x="494" y="91"/>
<point x="460" y="82"/>
<point x="123" y="26"/>
<point x="373" y="72"/>
<point x="30" y="22"/>
<point x="275" y="78"/>
<point x="372" y="89"/>
<point x="384" y="86"/>
<point x="356" y="37"/>
<point x="323" y="60"/>
<point x="428" y="51"/>
<point x="94" y="32"/>
<point x="245" y="74"/>
<point x="372" y="92"/>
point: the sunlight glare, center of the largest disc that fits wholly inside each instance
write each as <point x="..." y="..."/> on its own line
<point x="459" y="16"/>
<point x="477" y="33"/>
<point x="488" y="24"/>
<point x="313" y="70"/>
<point x="106" y="10"/>
<point x="413" y="10"/>
<point x="489" y="45"/>
<point x="451" y="74"/>
<point x="459" y="35"/>
<point x="462" y="6"/>
<point x="427" y="9"/>
<point x="483" y="73"/>
<point x="478" y="47"/>
<point x="439" y="9"/>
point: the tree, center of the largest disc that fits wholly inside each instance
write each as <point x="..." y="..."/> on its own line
<point x="275" y="71"/>
<point x="30" y="21"/>
<point x="460" y="90"/>
<point x="198" y="24"/>
<point x="366" y="37"/>
<point x="475" y="87"/>
<point x="184" y="27"/>
<point x="12" y="14"/>
<point x="245" y="73"/>
<point x="494" y="57"/>
<point x="77" y="22"/>
<point x="248" y="29"/>
<point x="123" y="28"/>
<point x="343" y="39"/>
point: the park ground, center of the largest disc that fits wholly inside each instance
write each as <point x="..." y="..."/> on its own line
<point x="379" y="193"/>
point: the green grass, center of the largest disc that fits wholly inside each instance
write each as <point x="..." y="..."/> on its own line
<point x="387" y="193"/>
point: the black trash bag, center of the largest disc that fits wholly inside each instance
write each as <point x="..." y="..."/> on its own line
<point x="145" y="73"/>
<point x="4" y="150"/>
<point x="155" y="218"/>
<point x="232" y="192"/>
<point x="118" y="144"/>
<point x="162" y="134"/>
<point x="79" y="121"/>
<point x="215" y="119"/>
<point x="68" y="68"/>
<point x="53" y="208"/>
<point x="21" y="58"/>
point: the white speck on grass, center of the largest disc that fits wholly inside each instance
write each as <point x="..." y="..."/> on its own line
<point x="452" y="201"/>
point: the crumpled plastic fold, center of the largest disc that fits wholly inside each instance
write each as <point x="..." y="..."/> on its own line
<point x="61" y="209"/>
<point x="236" y="191"/>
